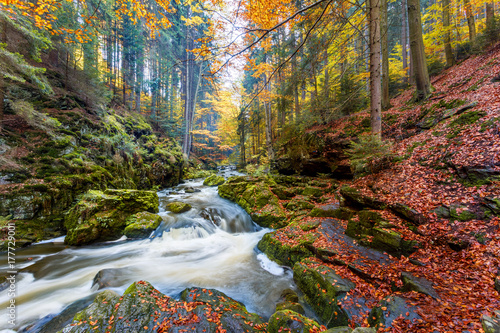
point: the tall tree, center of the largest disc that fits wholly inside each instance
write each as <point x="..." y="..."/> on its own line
<point x="373" y="7"/>
<point x="447" y="34"/>
<point x="470" y="21"/>
<point x="384" y="31"/>
<point x="417" y="50"/>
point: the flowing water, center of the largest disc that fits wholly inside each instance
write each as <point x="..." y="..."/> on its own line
<point x="211" y="246"/>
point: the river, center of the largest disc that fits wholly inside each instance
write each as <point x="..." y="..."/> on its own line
<point x="211" y="246"/>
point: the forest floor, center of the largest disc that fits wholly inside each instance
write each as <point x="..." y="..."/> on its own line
<point x="442" y="192"/>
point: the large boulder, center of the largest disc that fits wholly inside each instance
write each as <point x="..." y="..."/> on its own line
<point x="102" y="216"/>
<point x="142" y="308"/>
<point x="257" y="198"/>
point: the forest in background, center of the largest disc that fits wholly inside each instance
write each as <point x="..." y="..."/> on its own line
<point x="291" y="65"/>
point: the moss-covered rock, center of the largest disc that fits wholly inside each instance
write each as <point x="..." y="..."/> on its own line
<point x="281" y="253"/>
<point x="141" y="225"/>
<point x="178" y="207"/>
<point x="142" y="308"/>
<point x="213" y="180"/>
<point x="101" y="216"/>
<point x="322" y="287"/>
<point x="256" y="197"/>
<point x="290" y="321"/>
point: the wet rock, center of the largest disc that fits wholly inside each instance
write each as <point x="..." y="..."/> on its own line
<point x="213" y="180"/>
<point x="289" y="300"/>
<point x="322" y="288"/>
<point x="420" y="285"/>
<point x="497" y="284"/>
<point x="109" y="278"/>
<point x="290" y="321"/>
<point x="281" y="253"/>
<point x="388" y="310"/>
<point x="142" y="224"/>
<point x="178" y="207"/>
<point x="101" y="216"/>
<point x="491" y="324"/>
<point x="142" y="308"/>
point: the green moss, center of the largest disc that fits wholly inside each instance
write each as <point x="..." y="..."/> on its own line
<point x="281" y="253"/>
<point x="291" y="321"/>
<point x="321" y="287"/>
<point x="178" y="207"/>
<point x="213" y="180"/>
<point x="468" y="118"/>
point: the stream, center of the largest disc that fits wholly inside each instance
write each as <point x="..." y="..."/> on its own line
<point x="211" y="246"/>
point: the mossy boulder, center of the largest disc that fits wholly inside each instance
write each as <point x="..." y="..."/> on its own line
<point x="255" y="196"/>
<point x="101" y="216"/>
<point x="142" y="308"/>
<point x="322" y="287"/>
<point x="283" y="254"/>
<point x="141" y="225"/>
<point x="214" y="180"/>
<point x="178" y="207"/>
<point x="291" y="321"/>
<point x="356" y="198"/>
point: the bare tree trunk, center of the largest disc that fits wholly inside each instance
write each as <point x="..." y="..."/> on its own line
<point x="404" y="42"/>
<point x="140" y="77"/>
<point x="386" y="102"/>
<point x="490" y="15"/>
<point x="269" y="129"/>
<point x="470" y="21"/>
<point x="417" y="50"/>
<point x="447" y="35"/>
<point x="375" y="81"/>
<point x="295" y="83"/>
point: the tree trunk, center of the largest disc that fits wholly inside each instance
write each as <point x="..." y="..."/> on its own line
<point x="490" y="15"/>
<point x="187" y="98"/>
<point x="447" y="35"/>
<point x="470" y="21"/>
<point x="404" y="42"/>
<point x="140" y="77"/>
<point x="295" y="83"/>
<point x="417" y="50"/>
<point x="268" y="120"/>
<point x="386" y="102"/>
<point x="375" y="82"/>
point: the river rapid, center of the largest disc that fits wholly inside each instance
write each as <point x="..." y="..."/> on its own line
<point x="211" y="246"/>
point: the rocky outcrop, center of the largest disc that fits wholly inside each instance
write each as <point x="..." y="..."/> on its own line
<point x="142" y="308"/>
<point x="101" y="216"/>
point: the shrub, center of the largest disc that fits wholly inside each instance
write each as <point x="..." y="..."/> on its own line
<point x="369" y="155"/>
